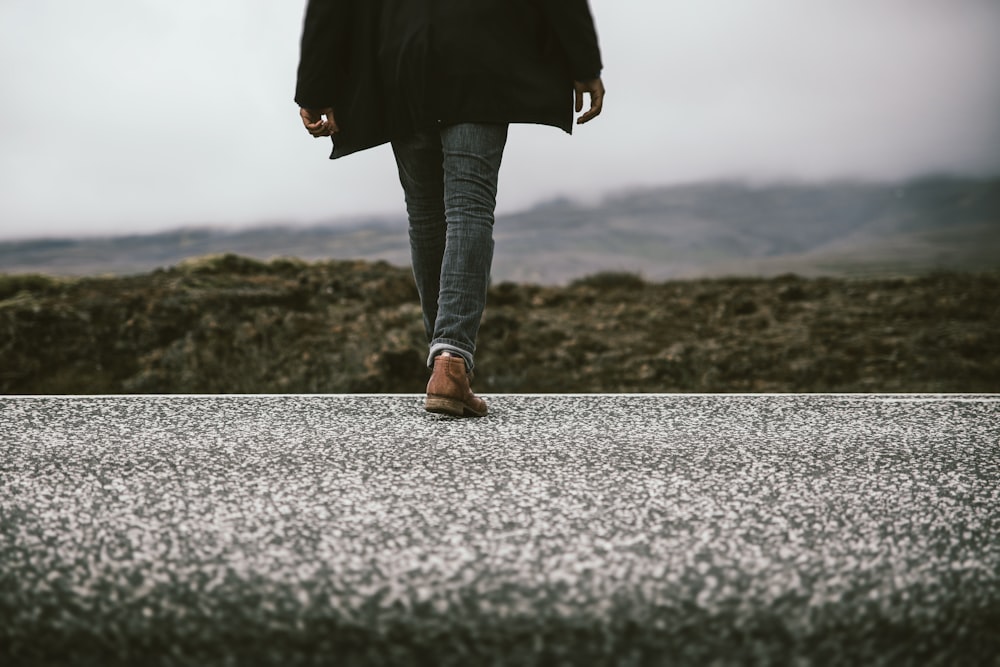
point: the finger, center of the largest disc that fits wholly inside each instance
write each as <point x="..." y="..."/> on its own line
<point x="579" y="100"/>
<point x="319" y="122"/>
<point x="326" y="114"/>
<point x="589" y="116"/>
<point x="596" y="106"/>
<point x="317" y="128"/>
<point x="307" y="121"/>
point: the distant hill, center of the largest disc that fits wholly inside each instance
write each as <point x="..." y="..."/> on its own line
<point x="701" y="230"/>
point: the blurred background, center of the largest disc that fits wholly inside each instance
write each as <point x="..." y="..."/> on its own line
<point x="824" y="175"/>
<point x="736" y="134"/>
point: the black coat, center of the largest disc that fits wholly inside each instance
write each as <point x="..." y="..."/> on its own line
<point x="389" y="67"/>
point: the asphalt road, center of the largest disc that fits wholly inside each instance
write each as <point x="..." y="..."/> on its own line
<point x="619" y="530"/>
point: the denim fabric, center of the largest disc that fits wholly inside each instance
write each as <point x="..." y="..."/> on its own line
<point x="449" y="178"/>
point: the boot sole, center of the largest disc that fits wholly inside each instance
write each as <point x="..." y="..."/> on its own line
<point x="449" y="406"/>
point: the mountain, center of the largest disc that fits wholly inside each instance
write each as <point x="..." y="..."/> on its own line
<point x="740" y="229"/>
<point x="697" y="230"/>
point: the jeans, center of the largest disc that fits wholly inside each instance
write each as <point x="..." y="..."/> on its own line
<point x="449" y="178"/>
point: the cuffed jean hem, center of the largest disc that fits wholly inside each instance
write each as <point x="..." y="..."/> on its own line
<point x="443" y="346"/>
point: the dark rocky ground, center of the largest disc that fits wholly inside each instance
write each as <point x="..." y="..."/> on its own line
<point x="229" y="324"/>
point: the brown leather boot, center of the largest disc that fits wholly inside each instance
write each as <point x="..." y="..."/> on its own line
<point x="448" y="391"/>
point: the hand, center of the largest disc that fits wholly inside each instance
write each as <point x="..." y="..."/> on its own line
<point x="316" y="124"/>
<point x="594" y="88"/>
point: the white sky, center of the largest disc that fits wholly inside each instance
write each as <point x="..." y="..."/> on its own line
<point x="123" y="116"/>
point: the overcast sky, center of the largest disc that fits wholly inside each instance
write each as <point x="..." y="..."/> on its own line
<point x="136" y="115"/>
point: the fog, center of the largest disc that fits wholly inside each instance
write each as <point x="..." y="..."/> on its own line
<point x="121" y="116"/>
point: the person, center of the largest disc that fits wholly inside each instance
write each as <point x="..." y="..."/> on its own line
<point x="442" y="80"/>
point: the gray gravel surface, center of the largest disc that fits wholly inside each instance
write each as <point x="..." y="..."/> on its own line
<point x="620" y="529"/>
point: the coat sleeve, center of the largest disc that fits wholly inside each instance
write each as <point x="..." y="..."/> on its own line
<point x="573" y="26"/>
<point x="323" y="52"/>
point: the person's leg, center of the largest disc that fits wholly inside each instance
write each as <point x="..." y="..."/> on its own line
<point x="421" y="173"/>
<point x="472" y="155"/>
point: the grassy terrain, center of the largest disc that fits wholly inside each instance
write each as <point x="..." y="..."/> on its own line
<point x="229" y="324"/>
